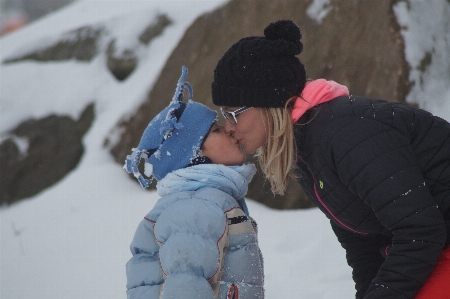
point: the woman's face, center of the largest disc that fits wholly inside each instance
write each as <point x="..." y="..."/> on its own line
<point x="250" y="130"/>
<point x="221" y="148"/>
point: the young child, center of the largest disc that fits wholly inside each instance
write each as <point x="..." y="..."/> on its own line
<point x="198" y="241"/>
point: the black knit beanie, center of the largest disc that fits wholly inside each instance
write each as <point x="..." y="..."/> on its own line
<point x="261" y="71"/>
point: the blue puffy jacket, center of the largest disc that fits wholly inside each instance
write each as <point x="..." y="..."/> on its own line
<point x="198" y="241"/>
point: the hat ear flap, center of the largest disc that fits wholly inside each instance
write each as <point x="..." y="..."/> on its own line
<point x="131" y="166"/>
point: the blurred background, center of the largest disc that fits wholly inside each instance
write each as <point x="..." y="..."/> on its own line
<point x="358" y="43"/>
<point x="15" y="14"/>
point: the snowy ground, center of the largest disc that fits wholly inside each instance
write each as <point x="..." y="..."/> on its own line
<point x="71" y="241"/>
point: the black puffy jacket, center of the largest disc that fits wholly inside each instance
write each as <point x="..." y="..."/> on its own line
<point x="380" y="171"/>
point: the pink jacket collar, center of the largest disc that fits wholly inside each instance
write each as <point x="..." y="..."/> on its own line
<point x="317" y="92"/>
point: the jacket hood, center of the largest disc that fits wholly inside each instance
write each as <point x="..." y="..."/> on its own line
<point x="317" y="92"/>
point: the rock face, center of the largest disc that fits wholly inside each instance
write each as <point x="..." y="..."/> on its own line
<point x="122" y="64"/>
<point x="80" y="44"/>
<point x="354" y="42"/>
<point x="38" y="153"/>
<point x="85" y="43"/>
<point x="357" y="43"/>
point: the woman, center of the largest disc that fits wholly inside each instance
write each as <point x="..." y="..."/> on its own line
<point x="379" y="171"/>
<point x="198" y="241"/>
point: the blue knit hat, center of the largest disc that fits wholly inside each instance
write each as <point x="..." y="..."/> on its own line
<point x="172" y="140"/>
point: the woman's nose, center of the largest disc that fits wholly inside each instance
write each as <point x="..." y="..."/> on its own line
<point x="229" y="128"/>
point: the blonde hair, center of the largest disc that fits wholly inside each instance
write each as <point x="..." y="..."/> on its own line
<point x="277" y="157"/>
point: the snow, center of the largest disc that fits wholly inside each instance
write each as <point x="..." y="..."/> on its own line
<point x="426" y="30"/>
<point x="148" y="169"/>
<point x="72" y="240"/>
<point x="21" y="142"/>
<point x="318" y="10"/>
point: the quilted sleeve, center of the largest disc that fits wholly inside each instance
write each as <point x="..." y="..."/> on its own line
<point x="190" y="232"/>
<point x="377" y="163"/>
<point x="144" y="276"/>
<point x="363" y="256"/>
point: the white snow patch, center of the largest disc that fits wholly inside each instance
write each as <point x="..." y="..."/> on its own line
<point x="148" y="169"/>
<point x="426" y="30"/>
<point x="22" y="143"/>
<point x="319" y="9"/>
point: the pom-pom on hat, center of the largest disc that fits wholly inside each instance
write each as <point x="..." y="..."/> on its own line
<point x="173" y="139"/>
<point x="261" y="71"/>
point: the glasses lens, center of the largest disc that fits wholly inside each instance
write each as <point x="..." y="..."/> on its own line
<point x="229" y="116"/>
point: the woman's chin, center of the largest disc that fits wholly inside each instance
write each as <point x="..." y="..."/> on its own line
<point x="245" y="152"/>
<point x="241" y="147"/>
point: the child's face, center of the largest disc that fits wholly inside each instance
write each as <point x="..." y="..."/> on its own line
<point x="221" y="148"/>
<point x="250" y="129"/>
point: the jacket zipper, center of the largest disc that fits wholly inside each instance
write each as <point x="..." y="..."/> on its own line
<point x="328" y="210"/>
<point x="332" y="215"/>
<point x="233" y="292"/>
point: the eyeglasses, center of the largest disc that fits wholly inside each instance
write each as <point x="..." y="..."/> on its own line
<point x="231" y="115"/>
